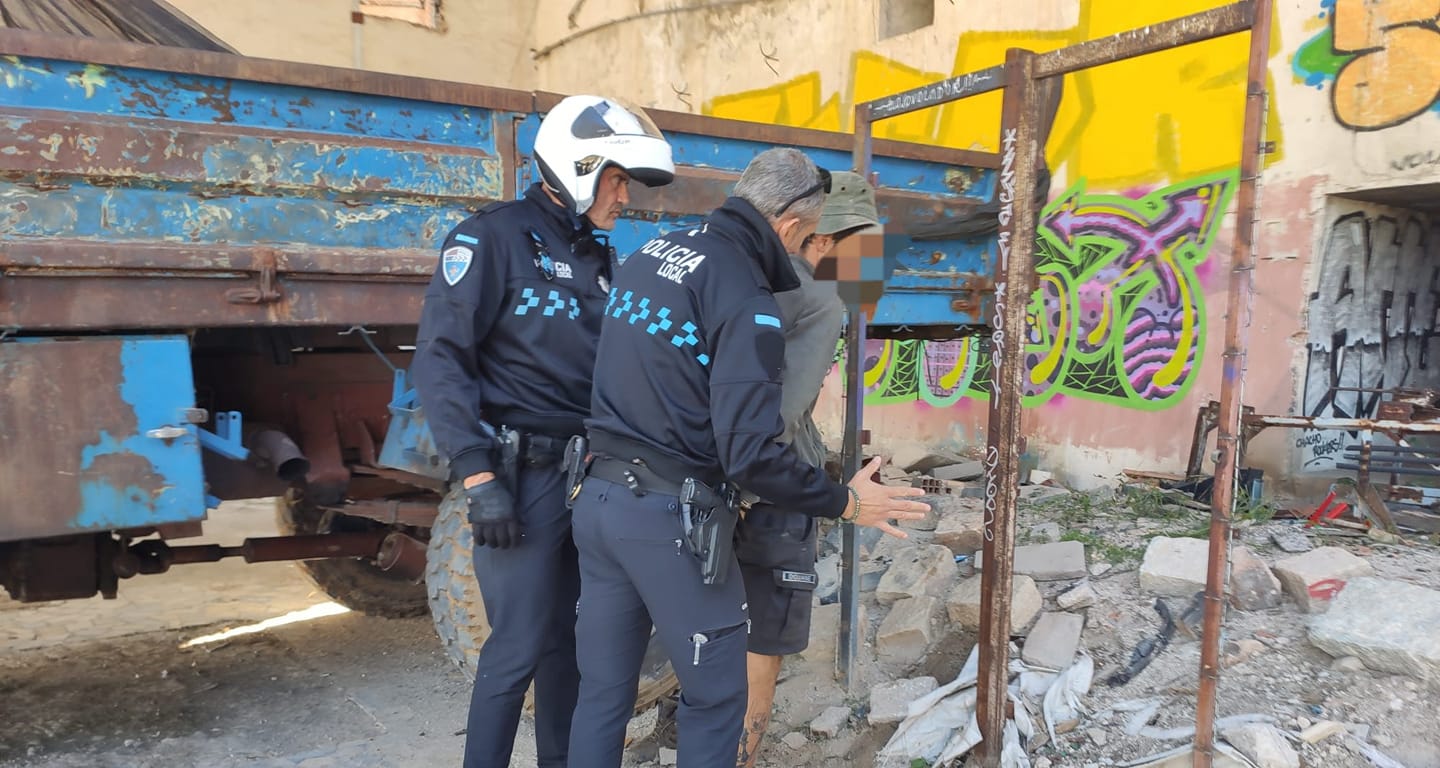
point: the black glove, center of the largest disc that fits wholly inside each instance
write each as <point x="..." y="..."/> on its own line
<point x="492" y="515"/>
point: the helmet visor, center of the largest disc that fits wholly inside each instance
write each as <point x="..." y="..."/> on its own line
<point x="613" y="117"/>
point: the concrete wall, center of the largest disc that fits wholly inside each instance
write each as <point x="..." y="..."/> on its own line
<point x="1128" y="328"/>
<point x="479" y="41"/>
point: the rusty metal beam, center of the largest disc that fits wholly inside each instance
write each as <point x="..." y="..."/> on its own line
<point x="852" y="440"/>
<point x="227" y="66"/>
<point x="933" y="95"/>
<point x="1020" y="150"/>
<point x="1230" y="438"/>
<point x="1187" y="30"/>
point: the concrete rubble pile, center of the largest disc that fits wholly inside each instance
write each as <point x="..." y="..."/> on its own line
<point x="1105" y="629"/>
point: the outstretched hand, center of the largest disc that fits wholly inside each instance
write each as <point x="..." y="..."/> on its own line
<point x="880" y="503"/>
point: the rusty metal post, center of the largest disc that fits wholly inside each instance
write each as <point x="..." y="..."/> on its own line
<point x="1237" y="327"/>
<point x="850" y="448"/>
<point x="1019" y="154"/>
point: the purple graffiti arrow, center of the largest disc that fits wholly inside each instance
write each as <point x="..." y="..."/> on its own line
<point x="1184" y="217"/>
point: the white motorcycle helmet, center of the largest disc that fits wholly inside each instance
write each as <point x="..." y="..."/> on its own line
<point x="584" y="135"/>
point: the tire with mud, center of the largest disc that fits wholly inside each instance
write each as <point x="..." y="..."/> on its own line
<point x="458" y="610"/>
<point x="354" y="582"/>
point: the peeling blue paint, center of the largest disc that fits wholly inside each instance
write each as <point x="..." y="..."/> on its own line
<point x="139" y="214"/>
<point x="85" y="88"/>
<point x="156" y="385"/>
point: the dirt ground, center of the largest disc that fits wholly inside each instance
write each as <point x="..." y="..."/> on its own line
<point x="99" y="683"/>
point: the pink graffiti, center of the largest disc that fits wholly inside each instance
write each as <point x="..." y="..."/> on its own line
<point x="1184" y="217"/>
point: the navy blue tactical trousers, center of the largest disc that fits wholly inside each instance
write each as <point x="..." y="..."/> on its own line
<point x="530" y="595"/>
<point x="635" y="569"/>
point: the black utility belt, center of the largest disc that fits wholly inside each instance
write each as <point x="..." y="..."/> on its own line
<point x="535" y="449"/>
<point x="707" y="515"/>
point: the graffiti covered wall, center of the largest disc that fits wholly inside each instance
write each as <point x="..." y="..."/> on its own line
<point x="1372" y="320"/>
<point x="1379" y="59"/>
<point x="1119" y="316"/>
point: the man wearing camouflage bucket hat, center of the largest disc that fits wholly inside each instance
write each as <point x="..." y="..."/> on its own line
<point x="776" y="548"/>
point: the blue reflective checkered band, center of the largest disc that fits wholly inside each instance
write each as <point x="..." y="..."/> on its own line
<point x="769" y="320"/>
<point x="632" y="310"/>
<point x="554" y="303"/>
<point x="467" y="239"/>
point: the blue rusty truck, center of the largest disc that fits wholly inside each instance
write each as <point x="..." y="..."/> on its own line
<point x="211" y="269"/>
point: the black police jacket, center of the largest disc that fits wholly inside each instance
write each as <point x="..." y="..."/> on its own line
<point x="687" y="375"/>
<point x="509" y="326"/>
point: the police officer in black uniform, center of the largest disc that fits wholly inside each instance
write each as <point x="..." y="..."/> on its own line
<point x="687" y="388"/>
<point x="503" y="364"/>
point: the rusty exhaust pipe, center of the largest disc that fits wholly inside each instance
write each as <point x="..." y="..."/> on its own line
<point x="275" y="449"/>
<point x="404" y="556"/>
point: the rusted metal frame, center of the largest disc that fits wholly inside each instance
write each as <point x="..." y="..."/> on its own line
<point x="851" y="444"/>
<point x="35" y="303"/>
<point x="1020" y="157"/>
<point x="87" y="256"/>
<point x="1239" y="304"/>
<point x="1154" y="38"/>
<point x="220" y="65"/>
<point x="80" y="151"/>
<point x="936" y="94"/>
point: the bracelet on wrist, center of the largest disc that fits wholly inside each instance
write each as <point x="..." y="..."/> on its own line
<point x="855" y="496"/>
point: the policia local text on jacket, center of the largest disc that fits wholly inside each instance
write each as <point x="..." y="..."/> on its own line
<point x="688" y="381"/>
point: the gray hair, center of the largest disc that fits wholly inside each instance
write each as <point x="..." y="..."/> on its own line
<point x="775" y="177"/>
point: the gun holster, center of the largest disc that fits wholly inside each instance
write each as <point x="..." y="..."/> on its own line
<point x="577" y="460"/>
<point x="708" y="517"/>
<point x="510" y="448"/>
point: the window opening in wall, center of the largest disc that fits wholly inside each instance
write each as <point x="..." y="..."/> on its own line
<point x="1373" y="319"/>
<point x="423" y="13"/>
<point x="898" y="17"/>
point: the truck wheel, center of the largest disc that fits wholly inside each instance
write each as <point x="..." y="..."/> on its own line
<point x="356" y="583"/>
<point x="459" y="612"/>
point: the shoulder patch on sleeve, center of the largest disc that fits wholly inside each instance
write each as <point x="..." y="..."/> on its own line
<point x="770" y="320"/>
<point x="770" y="353"/>
<point x="455" y="262"/>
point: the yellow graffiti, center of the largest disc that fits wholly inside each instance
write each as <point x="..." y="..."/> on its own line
<point x="1167" y="116"/>
<point x="1397" y="74"/>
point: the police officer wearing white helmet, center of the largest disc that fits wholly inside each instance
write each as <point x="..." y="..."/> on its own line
<point x="502" y="366"/>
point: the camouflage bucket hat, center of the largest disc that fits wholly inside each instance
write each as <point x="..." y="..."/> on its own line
<point x="849" y="206"/>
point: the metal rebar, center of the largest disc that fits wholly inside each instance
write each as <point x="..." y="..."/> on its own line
<point x="850" y="447"/>
<point x="1237" y="326"/>
<point x="1019" y="155"/>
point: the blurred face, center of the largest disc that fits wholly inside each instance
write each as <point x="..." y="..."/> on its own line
<point x="612" y="195"/>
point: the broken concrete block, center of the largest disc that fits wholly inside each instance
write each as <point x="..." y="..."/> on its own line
<point x="963" y="604"/>
<point x="1321" y="731"/>
<point x="1252" y="586"/>
<point x="1392" y="626"/>
<point x="1036" y="493"/>
<point x="890" y="701"/>
<point x="642" y="726"/>
<point x="960" y="526"/>
<point x="1175" y="567"/>
<point x="1314" y="578"/>
<point x="968" y="470"/>
<point x="1045" y="533"/>
<point x="908" y="630"/>
<point x="1054" y="640"/>
<point x="1048" y="562"/>
<point x="795" y="740"/>
<point x="1264" y="745"/>
<point x="1081" y="596"/>
<point x="827" y="577"/>
<point x="919" y="461"/>
<point x="1291" y="540"/>
<point x="668" y="756"/>
<point x="921" y="570"/>
<point x="932" y="516"/>
<point x="830" y="722"/>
